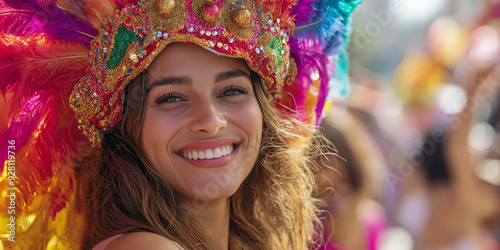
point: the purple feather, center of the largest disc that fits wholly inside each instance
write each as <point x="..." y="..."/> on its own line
<point x="309" y="56"/>
<point x="21" y="128"/>
<point x="303" y="12"/>
<point x="320" y="30"/>
<point x="32" y="17"/>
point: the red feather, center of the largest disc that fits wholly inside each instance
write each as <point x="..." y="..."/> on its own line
<point x="80" y="9"/>
<point x="36" y="64"/>
<point x="73" y="7"/>
<point x="97" y="12"/>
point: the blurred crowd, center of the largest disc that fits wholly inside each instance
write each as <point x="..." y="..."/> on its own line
<point x="416" y="162"/>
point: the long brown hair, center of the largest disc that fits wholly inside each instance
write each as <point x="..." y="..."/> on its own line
<point x="120" y="192"/>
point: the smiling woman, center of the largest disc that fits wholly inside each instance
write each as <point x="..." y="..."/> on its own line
<point x="210" y="152"/>
<point x="188" y="124"/>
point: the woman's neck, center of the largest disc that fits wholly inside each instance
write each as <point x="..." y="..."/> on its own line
<point x="214" y="218"/>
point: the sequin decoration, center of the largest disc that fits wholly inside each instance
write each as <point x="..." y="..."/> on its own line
<point x="123" y="39"/>
<point x="275" y="45"/>
<point x="242" y="17"/>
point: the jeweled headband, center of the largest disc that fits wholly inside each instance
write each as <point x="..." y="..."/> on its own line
<point x="134" y="36"/>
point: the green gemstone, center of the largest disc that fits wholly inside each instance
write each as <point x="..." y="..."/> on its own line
<point x="124" y="37"/>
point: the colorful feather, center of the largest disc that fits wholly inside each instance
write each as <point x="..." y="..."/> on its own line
<point x="79" y="8"/>
<point x="303" y="11"/>
<point x="310" y="60"/>
<point x="345" y="7"/>
<point x="37" y="77"/>
<point x="97" y="12"/>
<point x="326" y="26"/>
<point x="74" y="8"/>
<point x="31" y="17"/>
<point x="339" y="83"/>
<point x="32" y="64"/>
<point x="281" y="9"/>
<point x="318" y="48"/>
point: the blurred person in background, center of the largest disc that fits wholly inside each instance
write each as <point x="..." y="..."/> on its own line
<point x="461" y="171"/>
<point x="352" y="219"/>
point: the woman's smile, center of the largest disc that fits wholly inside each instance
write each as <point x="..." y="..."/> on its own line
<point x="210" y="153"/>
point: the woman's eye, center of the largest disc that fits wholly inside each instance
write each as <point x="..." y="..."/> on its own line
<point x="169" y="98"/>
<point x="233" y="91"/>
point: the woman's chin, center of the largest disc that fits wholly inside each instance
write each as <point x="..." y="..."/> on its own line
<point x="204" y="197"/>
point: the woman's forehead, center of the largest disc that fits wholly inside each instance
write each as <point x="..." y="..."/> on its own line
<point x="193" y="51"/>
<point x="187" y="59"/>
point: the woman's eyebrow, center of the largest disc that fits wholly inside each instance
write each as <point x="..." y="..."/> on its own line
<point x="230" y="74"/>
<point x="185" y="80"/>
<point x="171" y="80"/>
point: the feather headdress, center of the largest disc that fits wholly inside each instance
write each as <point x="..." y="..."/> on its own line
<point x="52" y="51"/>
<point x="319" y="48"/>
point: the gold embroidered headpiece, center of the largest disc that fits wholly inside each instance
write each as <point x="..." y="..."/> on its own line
<point x="136" y="34"/>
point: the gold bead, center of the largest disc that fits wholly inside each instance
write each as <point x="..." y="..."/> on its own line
<point x="165" y="7"/>
<point x="242" y="17"/>
<point x="209" y="12"/>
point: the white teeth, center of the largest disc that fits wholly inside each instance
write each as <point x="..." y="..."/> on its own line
<point x="217" y="153"/>
<point x="209" y="154"/>
<point x="195" y="154"/>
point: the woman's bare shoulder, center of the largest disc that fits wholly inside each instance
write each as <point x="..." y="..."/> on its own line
<point x="143" y="240"/>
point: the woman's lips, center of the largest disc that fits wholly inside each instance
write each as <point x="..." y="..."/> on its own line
<point x="209" y="154"/>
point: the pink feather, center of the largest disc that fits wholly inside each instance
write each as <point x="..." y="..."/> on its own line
<point x="29" y="18"/>
<point x="37" y="79"/>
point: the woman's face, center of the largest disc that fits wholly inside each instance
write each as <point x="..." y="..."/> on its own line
<point x="203" y="125"/>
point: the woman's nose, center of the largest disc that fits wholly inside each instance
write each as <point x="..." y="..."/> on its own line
<point x="207" y="118"/>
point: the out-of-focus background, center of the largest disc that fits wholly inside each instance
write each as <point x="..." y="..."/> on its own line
<point x="419" y="134"/>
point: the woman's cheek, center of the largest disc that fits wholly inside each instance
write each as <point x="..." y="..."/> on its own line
<point x="249" y="119"/>
<point x="158" y="129"/>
